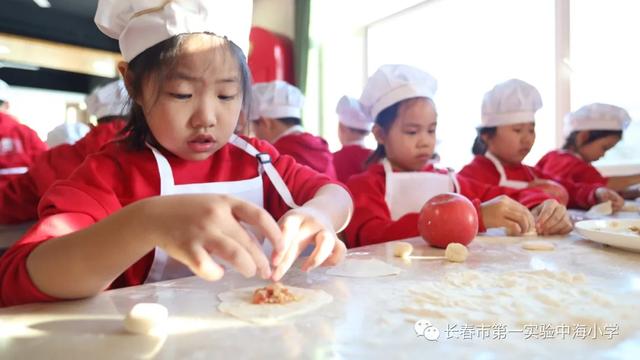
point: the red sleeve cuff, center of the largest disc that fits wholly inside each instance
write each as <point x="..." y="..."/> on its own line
<point x="477" y="204"/>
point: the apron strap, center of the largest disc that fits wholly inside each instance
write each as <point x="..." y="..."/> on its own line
<point x="265" y="164"/>
<point x="14" y="170"/>
<point x="498" y="166"/>
<point x="387" y="182"/>
<point x="164" y="168"/>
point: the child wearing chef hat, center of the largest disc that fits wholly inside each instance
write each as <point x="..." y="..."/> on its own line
<point x="507" y="134"/>
<point x="19" y="144"/>
<point x="591" y="131"/>
<point x="275" y="115"/>
<point x="19" y="198"/>
<point x="353" y="127"/>
<point x="157" y="204"/>
<point x="389" y="195"/>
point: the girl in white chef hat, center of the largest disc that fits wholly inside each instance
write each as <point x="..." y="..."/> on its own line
<point x="401" y="178"/>
<point x="591" y="131"/>
<point x="107" y="227"/>
<point x="507" y="134"/>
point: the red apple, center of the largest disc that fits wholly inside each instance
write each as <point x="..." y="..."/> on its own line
<point x="448" y="218"/>
<point x="552" y="189"/>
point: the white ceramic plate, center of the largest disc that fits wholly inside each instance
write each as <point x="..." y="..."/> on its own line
<point x="615" y="232"/>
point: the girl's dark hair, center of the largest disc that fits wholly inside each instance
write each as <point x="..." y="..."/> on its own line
<point x="290" y="121"/>
<point x="157" y="61"/>
<point x="479" y="146"/>
<point x="384" y="119"/>
<point x="570" y="142"/>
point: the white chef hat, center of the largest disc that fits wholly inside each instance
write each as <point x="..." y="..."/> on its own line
<point x="351" y="114"/>
<point x="275" y="99"/>
<point x="4" y="91"/>
<point x="511" y="102"/>
<point x="67" y="133"/>
<point x="391" y="84"/>
<point x="109" y="100"/>
<point x="597" y="116"/>
<point x="141" y="24"/>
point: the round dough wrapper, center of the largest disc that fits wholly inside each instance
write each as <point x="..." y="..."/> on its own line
<point x="538" y="245"/>
<point x="237" y="303"/>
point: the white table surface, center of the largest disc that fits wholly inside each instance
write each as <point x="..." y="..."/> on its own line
<point x="363" y="321"/>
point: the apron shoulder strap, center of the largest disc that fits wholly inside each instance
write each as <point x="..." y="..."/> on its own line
<point x="264" y="161"/>
<point x="164" y="170"/>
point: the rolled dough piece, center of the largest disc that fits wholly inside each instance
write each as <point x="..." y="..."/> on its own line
<point x="363" y="268"/>
<point x="538" y="245"/>
<point x="456" y="252"/>
<point x="402" y="249"/>
<point x="146" y="319"/>
<point x="238" y="304"/>
<point x="602" y="209"/>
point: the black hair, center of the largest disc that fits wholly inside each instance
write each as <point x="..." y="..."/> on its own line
<point x="156" y="61"/>
<point x="290" y="121"/>
<point x="2" y="102"/>
<point x="109" y="118"/>
<point x="384" y="119"/>
<point x="571" y="144"/>
<point x="479" y="146"/>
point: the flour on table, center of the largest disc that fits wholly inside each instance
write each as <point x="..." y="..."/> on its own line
<point x="513" y="298"/>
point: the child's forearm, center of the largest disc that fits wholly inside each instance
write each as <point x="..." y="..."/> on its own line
<point x="335" y="203"/>
<point x="621" y="183"/>
<point x="85" y="262"/>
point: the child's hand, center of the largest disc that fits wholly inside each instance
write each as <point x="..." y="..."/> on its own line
<point x="503" y="211"/>
<point x="191" y="227"/>
<point x="552" y="218"/>
<point x="605" y="194"/>
<point x="300" y="228"/>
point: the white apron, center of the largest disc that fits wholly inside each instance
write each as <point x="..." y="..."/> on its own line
<point x="514" y="184"/>
<point x="164" y="267"/>
<point x="406" y="192"/>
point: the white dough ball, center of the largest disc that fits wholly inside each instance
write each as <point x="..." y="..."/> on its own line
<point x="146" y="318"/>
<point x="456" y="252"/>
<point x="402" y="249"/>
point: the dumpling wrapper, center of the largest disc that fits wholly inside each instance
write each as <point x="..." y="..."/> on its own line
<point x="631" y="206"/>
<point x="363" y="268"/>
<point x="237" y="303"/>
<point x="602" y="209"/>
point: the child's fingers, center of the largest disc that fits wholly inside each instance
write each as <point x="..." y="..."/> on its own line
<point x="261" y="220"/>
<point x="325" y="242"/>
<point x="617" y="201"/>
<point x="251" y="245"/>
<point x="200" y="262"/>
<point x="235" y="254"/>
<point x="545" y="215"/>
<point x="290" y="229"/>
<point x="562" y="227"/>
<point x="512" y="227"/>
<point x="522" y="217"/>
<point x="337" y="254"/>
<point x="288" y="258"/>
